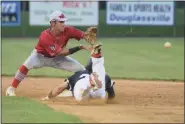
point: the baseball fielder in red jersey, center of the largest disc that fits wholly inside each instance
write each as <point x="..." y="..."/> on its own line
<point x="50" y="50"/>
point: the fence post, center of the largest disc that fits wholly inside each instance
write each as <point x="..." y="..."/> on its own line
<point x="175" y="24"/>
<point x="23" y="30"/>
<point x="174" y="30"/>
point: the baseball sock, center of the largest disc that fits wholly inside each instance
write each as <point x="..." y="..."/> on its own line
<point x="19" y="76"/>
<point x="98" y="55"/>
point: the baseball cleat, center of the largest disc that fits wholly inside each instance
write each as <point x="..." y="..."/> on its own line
<point x="10" y="91"/>
<point x="96" y="52"/>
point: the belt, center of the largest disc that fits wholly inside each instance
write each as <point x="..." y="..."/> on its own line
<point x="43" y="54"/>
<point x="46" y="55"/>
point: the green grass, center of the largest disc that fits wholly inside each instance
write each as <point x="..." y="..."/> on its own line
<point x="23" y="110"/>
<point x="135" y="58"/>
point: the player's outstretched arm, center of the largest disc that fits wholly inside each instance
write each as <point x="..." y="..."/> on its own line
<point x="65" y="52"/>
<point x="56" y="91"/>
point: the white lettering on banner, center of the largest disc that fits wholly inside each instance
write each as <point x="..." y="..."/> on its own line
<point x="140" y="13"/>
<point x="8" y="8"/>
<point x="78" y="13"/>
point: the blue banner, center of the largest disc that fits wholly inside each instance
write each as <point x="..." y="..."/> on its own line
<point x="10" y="13"/>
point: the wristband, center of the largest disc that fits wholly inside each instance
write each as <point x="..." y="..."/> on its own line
<point x="74" y="49"/>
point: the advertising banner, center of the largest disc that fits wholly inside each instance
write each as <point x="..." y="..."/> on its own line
<point x="140" y="13"/>
<point x="78" y="13"/>
<point x="10" y="13"/>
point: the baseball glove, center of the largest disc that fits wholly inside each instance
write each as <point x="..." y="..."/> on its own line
<point x="90" y="35"/>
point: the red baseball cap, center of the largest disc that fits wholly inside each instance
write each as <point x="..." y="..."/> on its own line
<point x="57" y="16"/>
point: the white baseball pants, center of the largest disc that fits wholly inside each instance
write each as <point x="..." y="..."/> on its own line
<point x="82" y="90"/>
<point x="37" y="60"/>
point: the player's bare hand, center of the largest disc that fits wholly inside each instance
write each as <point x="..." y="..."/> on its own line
<point x="45" y="98"/>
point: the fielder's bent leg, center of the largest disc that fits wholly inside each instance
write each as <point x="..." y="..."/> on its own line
<point x="35" y="60"/>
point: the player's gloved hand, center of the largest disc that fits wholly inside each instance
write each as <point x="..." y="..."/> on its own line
<point x="90" y="35"/>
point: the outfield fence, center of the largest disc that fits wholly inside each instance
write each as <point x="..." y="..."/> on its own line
<point x="104" y="30"/>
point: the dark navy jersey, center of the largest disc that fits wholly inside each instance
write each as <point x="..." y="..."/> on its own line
<point x="74" y="78"/>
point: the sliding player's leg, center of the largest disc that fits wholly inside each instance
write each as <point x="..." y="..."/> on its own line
<point x="98" y="67"/>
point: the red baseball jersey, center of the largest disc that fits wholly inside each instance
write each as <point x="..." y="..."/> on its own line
<point x="49" y="45"/>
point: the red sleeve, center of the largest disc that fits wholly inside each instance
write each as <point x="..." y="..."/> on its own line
<point x="51" y="48"/>
<point x="75" y="33"/>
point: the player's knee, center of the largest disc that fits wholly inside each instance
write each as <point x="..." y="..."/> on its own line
<point x="28" y="65"/>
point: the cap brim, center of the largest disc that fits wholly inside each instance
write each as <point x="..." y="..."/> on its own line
<point x="62" y="19"/>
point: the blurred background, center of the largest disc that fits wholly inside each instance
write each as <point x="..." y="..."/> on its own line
<point x="28" y="19"/>
<point x="133" y="35"/>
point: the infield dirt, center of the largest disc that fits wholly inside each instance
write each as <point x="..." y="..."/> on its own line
<point x="136" y="101"/>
